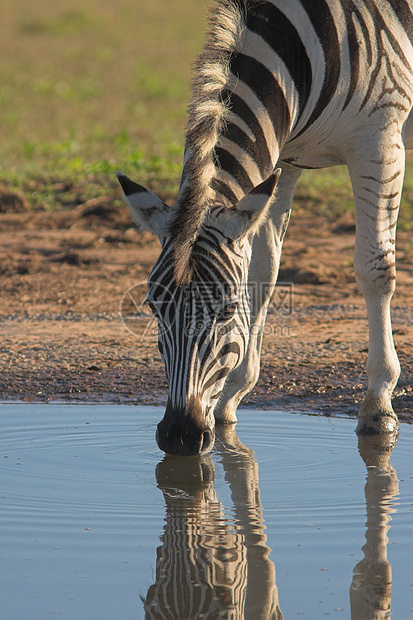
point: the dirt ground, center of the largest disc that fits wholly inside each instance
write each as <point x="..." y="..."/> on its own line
<point x="64" y="274"/>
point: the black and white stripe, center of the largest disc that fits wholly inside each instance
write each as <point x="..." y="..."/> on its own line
<point x="299" y="71"/>
<point x="195" y="320"/>
<point x="299" y="84"/>
<point x="213" y="562"/>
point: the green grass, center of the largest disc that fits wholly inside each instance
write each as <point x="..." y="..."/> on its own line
<point x="327" y="193"/>
<point x="88" y="88"/>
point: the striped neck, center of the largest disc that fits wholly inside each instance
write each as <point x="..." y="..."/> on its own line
<point x="241" y="113"/>
<point x="237" y="130"/>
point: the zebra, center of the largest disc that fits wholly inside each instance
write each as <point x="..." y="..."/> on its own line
<point x="280" y="86"/>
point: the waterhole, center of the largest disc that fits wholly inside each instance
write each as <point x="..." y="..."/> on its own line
<point x="288" y="515"/>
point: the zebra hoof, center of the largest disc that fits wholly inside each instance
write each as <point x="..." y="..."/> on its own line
<point x="376" y="416"/>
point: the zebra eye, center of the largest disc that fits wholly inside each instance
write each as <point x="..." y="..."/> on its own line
<point x="227" y="312"/>
<point x="152" y="307"/>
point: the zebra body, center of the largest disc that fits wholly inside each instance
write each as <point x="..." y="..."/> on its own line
<point x="295" y="84"/>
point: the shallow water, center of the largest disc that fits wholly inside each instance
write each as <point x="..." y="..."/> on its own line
<point x="285" y="517"/>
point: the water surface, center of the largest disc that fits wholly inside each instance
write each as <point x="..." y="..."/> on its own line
<point x="286" y="516"/>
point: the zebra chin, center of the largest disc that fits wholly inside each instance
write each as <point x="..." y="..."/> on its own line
<point x="184" y="430"/>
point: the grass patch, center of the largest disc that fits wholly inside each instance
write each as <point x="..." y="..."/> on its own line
<point x="70" y="22"/>
<point x="89" y="89"/>
<point x="328" y="194"/>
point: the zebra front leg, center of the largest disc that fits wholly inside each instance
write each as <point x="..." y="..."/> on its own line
<point x="263" y="272"/>
<point x="241" y="380"/>
<point x="377" y="187"/>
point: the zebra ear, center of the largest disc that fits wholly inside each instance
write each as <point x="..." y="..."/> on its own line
<point x="149" y="212"/>
<point x="250" y="212"/>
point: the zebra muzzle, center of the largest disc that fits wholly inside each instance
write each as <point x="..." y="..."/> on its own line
<point x="183" y="431"/>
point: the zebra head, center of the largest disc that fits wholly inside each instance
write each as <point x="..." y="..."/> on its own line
<point x="203" y="318"/>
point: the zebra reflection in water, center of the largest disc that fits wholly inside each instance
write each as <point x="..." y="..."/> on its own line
<point x="370" y="591"/>
<point x="208" y="566"/>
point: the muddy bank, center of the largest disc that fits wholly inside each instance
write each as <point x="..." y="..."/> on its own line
<point x="64" y="274"/>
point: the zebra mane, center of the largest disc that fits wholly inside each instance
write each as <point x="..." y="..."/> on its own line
<point x="206" y="119"/>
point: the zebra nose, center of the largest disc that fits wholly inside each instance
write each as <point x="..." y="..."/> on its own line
<point x="207" y="441"/>
<point x="178" y="440"/>
<point x="184" y="432"/>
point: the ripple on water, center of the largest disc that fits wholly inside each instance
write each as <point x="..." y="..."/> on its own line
<point x="86" y="502"/>
<point x="81" y="464"/>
